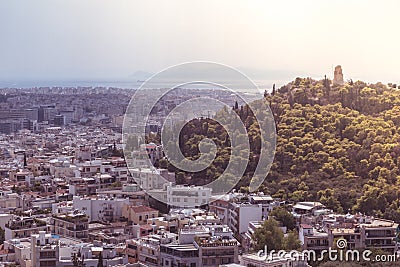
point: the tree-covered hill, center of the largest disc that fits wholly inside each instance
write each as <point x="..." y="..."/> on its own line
<point x="336" y="144"/>
<point x="339" y="145"/>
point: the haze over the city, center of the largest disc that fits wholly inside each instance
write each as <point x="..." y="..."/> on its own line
<point x="72" y="40"/>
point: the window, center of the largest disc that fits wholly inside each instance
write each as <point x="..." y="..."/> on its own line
<point x="140" y="218"/>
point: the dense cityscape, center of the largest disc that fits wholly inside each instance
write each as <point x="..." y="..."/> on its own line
<point x="199" y="133"/>
<point x="68" y="198"/>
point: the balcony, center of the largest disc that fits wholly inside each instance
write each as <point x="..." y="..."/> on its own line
<point x="26" y="225"/>
<point x="48" y="256"/>
<point x="218" y="244"/>
<point x="218" y="254"/>
<point x="72" y="219"/>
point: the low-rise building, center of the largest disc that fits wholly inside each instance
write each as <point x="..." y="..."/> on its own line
<point x="179" y="255"/>
<point x="45" y="249"/>
<point x="103" y="209"/>
<point x="138" y="214"/>
<point x="215" y="251"/>
<point x="73" y="225"/>
<point x="9" y="201"/>
<point x="313" y="238"/>
<point x="253" y="260"/>
<point x="240" y="214"/>
<point x="151" y="178"/>
<point x="267" y="203"/>
<point x="220" y="207"/>
<point x="146" y="250"/>
<point x="188" y="196"/>
<point x="137" y="197"/>
<point x="360" y="232"/>
<point x="21" y="227"/>
<point x="302" y="208"/>
<point x="19" y="249"/>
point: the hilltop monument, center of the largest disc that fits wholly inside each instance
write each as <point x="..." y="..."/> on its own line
<point x="338" y="76"/>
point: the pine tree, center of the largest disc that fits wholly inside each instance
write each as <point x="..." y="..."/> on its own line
<point x="100" y="262"/>
<point x="236" y="105"/>
<point x="78" y="260"/>
<point x="25" y="163"/>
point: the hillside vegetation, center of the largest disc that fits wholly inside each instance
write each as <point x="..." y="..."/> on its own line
<point x="336" y="144"/>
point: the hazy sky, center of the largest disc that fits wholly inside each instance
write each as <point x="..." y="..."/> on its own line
<point x="104" y="39"/>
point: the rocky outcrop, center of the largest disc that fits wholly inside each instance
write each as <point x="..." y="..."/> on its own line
<point x="338" y="76"/>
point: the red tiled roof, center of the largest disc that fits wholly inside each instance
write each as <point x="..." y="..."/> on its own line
<point x="3" y="251"/>
<point x="146" y="227"/>
<point x="139" y="209"/>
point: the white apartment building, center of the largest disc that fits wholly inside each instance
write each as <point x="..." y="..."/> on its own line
<point x="9" y="200"/>
<point x="104" y="209"/>
<point x="21" y="248"/>
<point x="266" y="201"/>
<point x="146" y="155"/>
<point x="62" y="167"/>
<point x="241" y="214"/>
<point x="151" y="178"/>
<point x="90" y="253"/>
<point x="187" y="234"/>
<point x="45" y="249"/>
<point x="188" y="196"/>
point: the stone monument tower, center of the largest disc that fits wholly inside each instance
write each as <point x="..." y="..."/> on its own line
<point x="338" y="76"/>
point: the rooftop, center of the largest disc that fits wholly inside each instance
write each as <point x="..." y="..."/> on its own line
<point x="140" y="209"/>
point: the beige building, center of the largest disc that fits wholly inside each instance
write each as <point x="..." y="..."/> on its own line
<point x="9" y="201"/>
<point x="138" y="214"/>
<point x="18" y="250"/>
<point x="146" y="250"/>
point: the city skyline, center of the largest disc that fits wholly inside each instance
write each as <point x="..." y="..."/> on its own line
<point x="71" y="41"/>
